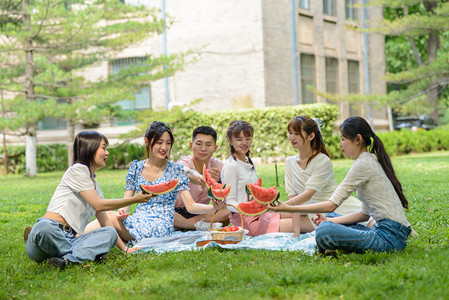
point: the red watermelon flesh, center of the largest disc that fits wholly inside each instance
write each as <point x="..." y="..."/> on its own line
<point x="218" y="194"/>
<point x="209" y="180"/>
<point x="252" y="208"/>
<point x="160" y="188"/>
<point x="263" y="195"/>
<point x="217" y="186"/>
<point x="259" y="182"/>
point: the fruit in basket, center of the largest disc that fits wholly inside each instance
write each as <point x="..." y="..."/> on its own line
<point x="262" y="195"/>
<point x="160" y="188"/>
<point x="231" y="228"/>
<point x="210" y="182"/>
<point x="252" y="208"/>
<point x="218" y="194"/>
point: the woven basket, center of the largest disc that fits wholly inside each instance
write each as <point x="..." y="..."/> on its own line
<point x="221" y="235"/>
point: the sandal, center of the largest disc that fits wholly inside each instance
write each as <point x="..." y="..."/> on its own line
<point x="26" y="233"/>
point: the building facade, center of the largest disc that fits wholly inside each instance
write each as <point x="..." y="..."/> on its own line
<point x="255" y="53"/>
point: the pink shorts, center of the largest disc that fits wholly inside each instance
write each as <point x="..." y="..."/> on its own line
<point x="257" y="225"/>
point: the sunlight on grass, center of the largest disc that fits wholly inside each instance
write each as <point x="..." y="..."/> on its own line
<point x="419" y="272"/>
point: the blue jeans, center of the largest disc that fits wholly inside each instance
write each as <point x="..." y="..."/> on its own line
<point x="385" y="235"/>
<point x="47" y="240"/>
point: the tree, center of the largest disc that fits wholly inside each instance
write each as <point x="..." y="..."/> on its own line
<point x="64" y="38"/>
<point x="418" y="67"/>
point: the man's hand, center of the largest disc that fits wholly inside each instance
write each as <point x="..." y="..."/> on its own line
<point x="215" y="173"/>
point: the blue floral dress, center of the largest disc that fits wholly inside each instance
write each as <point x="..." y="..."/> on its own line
<point x="154" y="218"/>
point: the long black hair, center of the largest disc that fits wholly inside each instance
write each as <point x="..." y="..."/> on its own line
<point x="309" y="126"/>
<point x="154" y="133"/>
<point x="234" y="129"/>
<point x="357" y="125"/>
<point x="86" y="145"/>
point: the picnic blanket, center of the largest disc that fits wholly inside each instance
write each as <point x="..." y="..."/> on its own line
<point x="181" y="241"/>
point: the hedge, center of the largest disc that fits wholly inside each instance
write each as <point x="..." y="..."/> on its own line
<point x="270" y="139"/>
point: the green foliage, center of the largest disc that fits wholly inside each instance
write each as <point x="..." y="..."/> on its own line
<point x="419" y="272"/>
<point x="50" y="157"/>
<point x="270" y="127"/>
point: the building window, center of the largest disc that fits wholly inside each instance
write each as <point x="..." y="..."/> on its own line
<point x="143" y="97"/>
<point x="329" y="7"/>
<point x="353" y="84"/>
<point x="350" y="10"/>
<point x="304" y="4"/>
<point x="307" y="77"/>
<point x="50" y="123"/>
<point x="332" y="75"/>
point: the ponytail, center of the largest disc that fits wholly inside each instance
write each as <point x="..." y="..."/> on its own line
<point x="357" y="125"/>
<point x="379" y="150"/>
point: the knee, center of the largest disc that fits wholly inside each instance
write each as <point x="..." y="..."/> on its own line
<point x="324" y="230"/>
<point x="110" y="234"/>
<point x="42" y="228"/>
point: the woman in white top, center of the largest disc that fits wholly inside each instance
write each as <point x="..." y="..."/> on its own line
<point x="237" y="172"/>
<point x="373" y="178"/>
<point x="309" y="176"/>
<point x="57" y="235"/>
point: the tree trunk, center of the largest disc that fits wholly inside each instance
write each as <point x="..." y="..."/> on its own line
<point x="433" y="43"/>
<point x="70" y="140"/>
<point x="5" y="153"/>
<point x="30" y="152"/>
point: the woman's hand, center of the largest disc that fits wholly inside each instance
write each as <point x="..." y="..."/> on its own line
<point x="278" y="206"/>
<point x="218" y="204"/>
<point x="319" y="219"/>
<point x="122" y="214"/>
<point x="142" y="198"/>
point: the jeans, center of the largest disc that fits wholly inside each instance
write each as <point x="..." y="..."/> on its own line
<point x="47" y="240"/>
<point x="385" y="235"/>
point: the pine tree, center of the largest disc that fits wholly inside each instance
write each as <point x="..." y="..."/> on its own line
<point x="52" y="48"/>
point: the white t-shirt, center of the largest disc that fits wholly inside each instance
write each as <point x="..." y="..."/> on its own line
<point x="67" y="201"/>
<point x="237" y="174"/>
<point x="374" y="189"/>
<point x="318" y="176"/>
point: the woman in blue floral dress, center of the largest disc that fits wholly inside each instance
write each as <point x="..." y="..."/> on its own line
<point x="155" y="218"/>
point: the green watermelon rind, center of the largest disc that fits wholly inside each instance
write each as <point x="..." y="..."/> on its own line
<point x="211" y="194"/>
<point x="251" y="214"/>
<point x="146" y="191"/>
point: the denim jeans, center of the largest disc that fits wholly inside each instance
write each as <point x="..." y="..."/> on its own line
<point x="385" y="235"/>
<point x="47" y="240"/>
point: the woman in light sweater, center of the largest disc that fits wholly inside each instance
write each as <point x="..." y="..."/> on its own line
<point x="373" y="178"/>
<point x="309" y="176"/>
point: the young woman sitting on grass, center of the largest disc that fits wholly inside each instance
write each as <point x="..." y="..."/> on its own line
<point x="155" y="218"/>
<point x="373" y="178"/>
<point x="309" y="176"/>
<point x="57" y="235"/>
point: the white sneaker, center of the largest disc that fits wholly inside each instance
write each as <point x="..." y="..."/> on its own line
<point x="202" y="226"/>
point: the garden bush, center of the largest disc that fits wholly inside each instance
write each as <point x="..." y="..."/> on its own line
<point x="270" y="142"/>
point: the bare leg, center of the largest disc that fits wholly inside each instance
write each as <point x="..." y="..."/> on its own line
<point x="286" y="224"/>
<point x="221" y="216"/>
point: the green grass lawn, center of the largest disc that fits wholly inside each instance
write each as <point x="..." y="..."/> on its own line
<point x="419" y="272"/>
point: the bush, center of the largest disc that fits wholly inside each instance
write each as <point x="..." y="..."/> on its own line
<point x="270" y="132"/>
<point x="49" y="157"/>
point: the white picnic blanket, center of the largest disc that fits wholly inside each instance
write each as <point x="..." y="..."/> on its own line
<point x="180" y="241"/>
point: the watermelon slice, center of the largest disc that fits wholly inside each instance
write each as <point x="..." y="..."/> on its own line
<point x="160" y="188"/>
<point x="209" y="180"/>
<point x="252" y="208"/>
<point x="218" y="194"/>
<point x="263" y="195"/>
<point x="217" y="186"/>
<point x="259" y="182"/>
